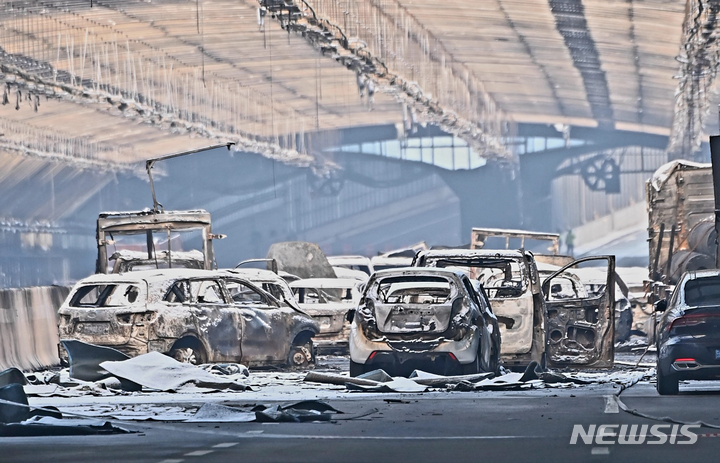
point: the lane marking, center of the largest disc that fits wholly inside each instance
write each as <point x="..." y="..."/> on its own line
<point x="225" y="445"/>
<point x="198" y="453"/>
<point x="434" y="438"/>
<point x="600" y="451"/>
<point x="255" y="432"/>
<point x="611" y="405"/>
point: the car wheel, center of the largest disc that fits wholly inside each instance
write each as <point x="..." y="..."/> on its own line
<point x="667" y="384"/>
<point x="356" y="369"/>
<point x="187" y="355"/>
<point x="300" y="356"/>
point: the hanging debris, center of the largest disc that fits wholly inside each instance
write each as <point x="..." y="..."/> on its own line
<point x="699" y="59"/>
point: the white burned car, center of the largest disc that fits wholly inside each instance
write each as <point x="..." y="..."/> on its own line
<point x="423" y="318"/>
<point x="550" y="319"/>
<point x="195" y="316"/>
<point x="327" y="301"/>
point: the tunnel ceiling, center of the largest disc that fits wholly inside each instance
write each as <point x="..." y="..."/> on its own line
<point x="150" y="78"/>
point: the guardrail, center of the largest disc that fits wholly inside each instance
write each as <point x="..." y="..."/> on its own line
<point x="28" y="326"/>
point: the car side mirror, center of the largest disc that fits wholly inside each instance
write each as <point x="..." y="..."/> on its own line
<point x="661" y="305"/>
<point x="350" y="315"/>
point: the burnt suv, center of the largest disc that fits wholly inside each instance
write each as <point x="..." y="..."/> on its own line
<point x="423" y="318"/>
<point x="688" y="332"/>
<point x="195" y="316"/>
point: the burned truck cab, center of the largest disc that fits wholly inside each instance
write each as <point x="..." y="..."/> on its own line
<point x="154" y="239"/>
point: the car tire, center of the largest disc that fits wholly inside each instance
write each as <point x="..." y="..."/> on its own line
<point x="187" y="354"/>
<point x="667" y="384"/>
<point x="298" y="357"/>
<point x="356" y="369"/>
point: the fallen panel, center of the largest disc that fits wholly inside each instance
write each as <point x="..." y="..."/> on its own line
<point x="10" y="413"/>
<point x="398" y="384"/>
<point x="158" y="371"/>
<point x="85" y="359"/>
<point x="216" y="413"/>
<point x="12" y="376"/>
<point x="307" y="410"/>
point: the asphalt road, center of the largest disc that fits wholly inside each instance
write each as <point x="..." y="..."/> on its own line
<point x="522" y="426"/>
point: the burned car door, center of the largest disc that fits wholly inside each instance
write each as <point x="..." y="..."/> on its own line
<point x="580" y="324"/>
<point x="266" y="336"/>
<point x="204" y="312"/>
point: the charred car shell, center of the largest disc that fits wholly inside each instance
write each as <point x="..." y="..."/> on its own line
<point x="431" y="319"/>
<point x="196" y="316"/>
<point x="328" y="300"/>
<point x="511" y="280"/>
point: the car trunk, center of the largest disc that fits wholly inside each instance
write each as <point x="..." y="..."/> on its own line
<point x="412" y="318"/>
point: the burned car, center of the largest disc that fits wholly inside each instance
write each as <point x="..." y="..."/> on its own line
<point x="195" y="316"/>
<point x="511" y="281"/>
<point x="576" y="323"/>
<point x="688" y="333"/>
<point x="421" y="318"/>
<point x="328" y="301"/>
<point x="581" y="324"/>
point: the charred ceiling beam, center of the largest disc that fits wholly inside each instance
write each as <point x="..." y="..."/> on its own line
<point x="571" y="23"/>
<point x="552" y="85"/>
<point x="699" y="59"/>
<point x="57" y="52"/>
<point x="394" y="51"/>
<point x="26" y="76"/>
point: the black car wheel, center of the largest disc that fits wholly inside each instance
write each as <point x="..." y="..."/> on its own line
<point x="667" y="384"/>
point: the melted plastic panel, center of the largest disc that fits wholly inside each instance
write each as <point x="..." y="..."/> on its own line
<point x="580" y="323"/>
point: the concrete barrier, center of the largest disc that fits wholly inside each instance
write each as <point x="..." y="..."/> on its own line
<point x="28" y="326"/>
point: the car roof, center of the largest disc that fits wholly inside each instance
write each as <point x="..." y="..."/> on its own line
<point x="512" y="253"/>
<point x="155" y="275"/>
<point x="325" y="283"/>
<point x="347" y="259"/>
<point x="429" y="271"/>
<point x="257" y="274"/>
<point x="704" y="273"/>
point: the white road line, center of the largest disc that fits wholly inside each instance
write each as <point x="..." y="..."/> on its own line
<point x="433" y="438"/>
<point x="254" y="432"/>
<point x="600" y="451"/>
<point x="611" y="405"/>
<point x="198" y="453"/>
<point x="225" y="445"/>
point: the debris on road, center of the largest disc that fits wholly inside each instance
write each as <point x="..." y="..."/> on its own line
<point x="304" y="411"/>
<point x="85" y="360"/>
<point x="47" y="426"/>
<point x="160" y="372"/>
<point x="12" y="376"/>
<point x="307" y="410"/>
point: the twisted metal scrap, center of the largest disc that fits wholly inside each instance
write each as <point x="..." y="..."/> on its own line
<point x="699" y="58"/>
